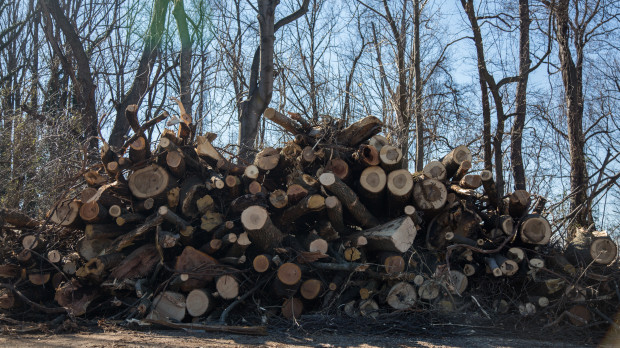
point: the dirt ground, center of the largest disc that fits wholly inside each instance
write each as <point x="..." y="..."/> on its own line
<point x="169" y="338"/>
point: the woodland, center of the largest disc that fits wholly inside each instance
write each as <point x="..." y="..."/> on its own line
<point x="174" y="161"/>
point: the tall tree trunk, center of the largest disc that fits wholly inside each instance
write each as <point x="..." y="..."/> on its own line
<point x="150" y="52"/>
<point x="186" y="56"/>
<point x="486" y="123"/>
<point x="419" y="120"/>
<point x="261" y="78"/>
<point x="516" y="157"/>
<point x="573" y="95"/>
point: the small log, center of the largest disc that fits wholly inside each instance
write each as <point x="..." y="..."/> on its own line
<point x="283" y="121"/>
<point x="308" y="155"/>
<point x="39" y="278"/>
<point x="7" y="299"/>
<point x="399" y="188"/>
<point x="295" y="193"/>
<point x="168" y="305"/>
<point x="518" y="203"/>
<point x="515" y="254"/>
<point x="458" y="239"/>
<point x="200" y="267"/>
<point x="267" y="159"/>
<point x="334" y="213"/>
<point x="453" y="160"/>
<point x="541" y="301"/>
<point x="314" y="243"/>
<point x="430" y="195"/>
<point x="470" y="181"/>
<point x="54" y="256"/>
<point x="434" y="170"/>
<point x="506" y="265"/>
<point x="33" y="242"/>
<point x="251" y="172"/>
<point x="292" y="308"/>
<point x="464" y="167"/>
<point x="176" y="163"/>
<point x="402" y="295"/>
<point x="17" y="218"/>
<point x="67" y="213"/>
<point x="391" y="158"/>
<point x="261" y="263"/>
<point x="103" y="231"/>
<point x="150" y="182"/>
<point x="128" y="238"/>
<point x="534" y="229"/>
<point x="227" y="287"/>
<point x="211" y="220"/>
<point x="536" y="263"/>
<point x="261" y="230"/>
<point x="393" y="263"/>
<point x="458" y="282"/>
<point x="346" y="195"/>
<point x="278" y="199"/>
<point x="396" y="235"/>
<point x="503" y="222"/>
<point x="240" y="245"/>
<point x="309" y="204"/>
<point x="359" y="131"/>
<point x="493" y="266"/>
<point x="90" y="248"/>
<point x="289" y="274"/>
<point x="233" y="185"/>
<point x="217" y="182"/>
<point x="212" y="246"/>
<point x="93" y="178"/>
<point x="205" y="204"/>
<point x="115" y="211"/>
<point x="139" y="150"/>
<point x="191" y="191"/>
<point x="339" y="167"/>
<point x="185" y="229"/>
<point x="70" y="263"/>
<point x="378" y="141"/>
<point x="352" y="254"/>
<point x="367" y="155"/>
<point x="139" y="263"/>
<point x="310" y="289"/>
<point x="255" y="188"/>
<point x="429" y="290"/>
<point x="129" y="218"/>
<point x="327" y="231"/>
<point x="145" y="205"/>
<point x="489" y="188"/>
<point x="199" y="302"/>
<point x="167" y="240"/>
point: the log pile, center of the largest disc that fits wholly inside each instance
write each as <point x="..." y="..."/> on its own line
<point x="174" y="231"/>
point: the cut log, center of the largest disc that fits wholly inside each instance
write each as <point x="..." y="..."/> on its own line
<point x="255" y="188"/>
<point x="145" y="205"/>
<point x="185" y="229"/>
<point x="489" y="188"/>
<point x="200" y="267"/>
<point x="103" y="231"/>
<point x="251" y="172"/>
<point x="267" y="159"/>
<point x="434" y="170"/>
<point x="283" y="121"/>
<point x="261" y="230"/>
<point x="493" y="266"/>
<point x="139" y="150"/>
<point x="393" y="263"/>
<point x="310" y="289"/>
<point x="334" y="213"/>
<point x="309" y="204"/>
<point x="176" y="163"/>
<point x="115" y="211"/>
<point x="516" y="254"/>
<point x="470" y="181"/>
<point x="346" y="195"/>
<point x="261" y="263"/>
<point x="391" y="158"/>
<point x="193" y="190"/>
<point x="399" y="188"/>
<point x="314" y="243"/>
<point x="359" y="131"/>
<point x="205" y="203"/>
<point x="396" y="235"/>
<point x="199" y="302"/>
<point x="129" y="218"/>
<point x="579" y="315"/>
<point x="139" y="263"/>
<point x="367" y="155"/>
<point x="591" y="247"/>
<point x="93" y="212"/>
<point x="339" y="167"/>
<point x="352" y="254"/>
<point x="292" y="308"/>
<point x="295" y="193"/>
<point x="168" y="305"/>
<point x="453" y="160"/>
<point x="534" y="229"/>
<point x="506" y="265"/>
<point x="89" y="249"/>
<point x="150" y="182"/>
<point x="372" y="183"/>
<point x="429" y="195"/>
<point x="518" y="203"/>
<point x="233" y="185"/>
<point x="227" y="287"/>
<point x="67" y="213"/>
<point x="402" y="295"/>
<point x="429" y="290"/>
<point x="278" y="199"/>
<point x="289" y="274"/>
<point x="463" y="169"/>
<point x="39" y="278"/>
<point x="54" y="256"/>
<point x="308" y="155"/>
<point x="240" y="245"/>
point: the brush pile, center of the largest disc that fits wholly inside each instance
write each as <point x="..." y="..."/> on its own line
<point x="331" y="222"/>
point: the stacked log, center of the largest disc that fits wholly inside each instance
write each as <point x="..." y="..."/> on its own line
<point x="331" y="217"/>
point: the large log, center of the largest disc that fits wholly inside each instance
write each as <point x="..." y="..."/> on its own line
<point x="359" y="131"/>
<point x="261" y="230"/>
<point x="402" y="295"/>
<point x="199" y="302"/>
<point x="348" y="197"/>
<point x="534" y="229"/>
<point x="434" y="170"/>
<point x="168" y="305"/>
<point x="150" y="182"/>
<point x="399" y="188"/>
<point x="372" y="184"/>
<point x="430" y="195"/>
<point x="391" y="158"/>
<point x="67" y="213"/>
<point x="396" y="235"/>
<point x="200" y="267"/>
<point x="591" y="247"/>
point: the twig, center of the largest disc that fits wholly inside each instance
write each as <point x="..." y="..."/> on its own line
<point x="479" y="306"/>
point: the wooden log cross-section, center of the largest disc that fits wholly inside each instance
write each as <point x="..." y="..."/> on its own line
<point x="261" y="231"/>
<point x="396" y="235"/>
<point x="350" y="200"/>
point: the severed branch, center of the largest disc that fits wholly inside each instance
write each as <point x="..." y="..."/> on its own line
<point x="240" y="330"/>
<point x="146" y="125"/>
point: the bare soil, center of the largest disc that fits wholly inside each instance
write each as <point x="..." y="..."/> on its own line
<point x="169" y="338"/>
